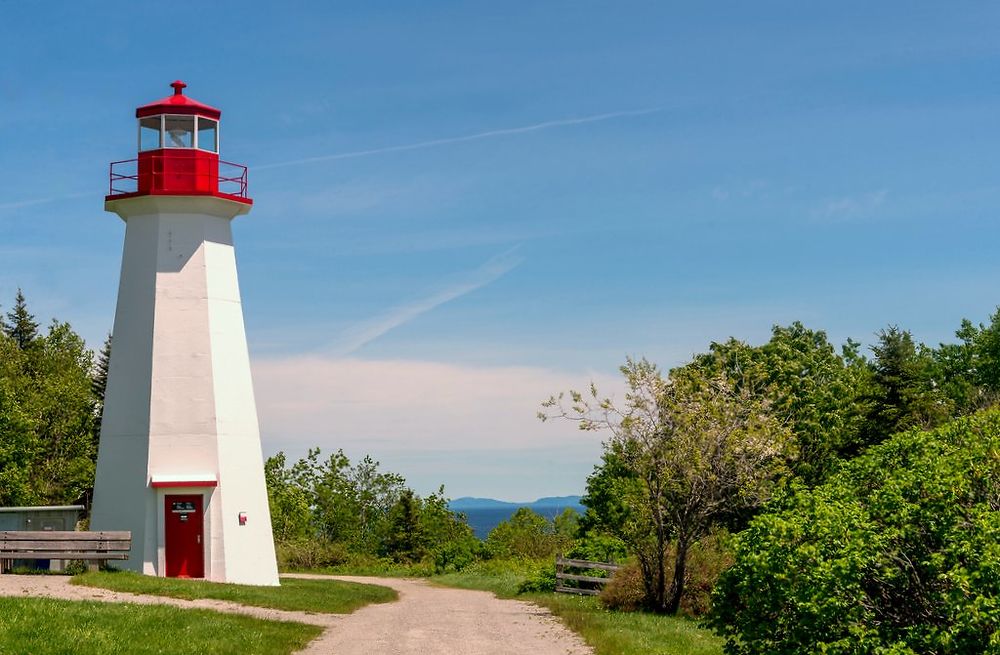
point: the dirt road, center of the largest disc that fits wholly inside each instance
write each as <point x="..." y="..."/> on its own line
<point x="426" y="620"/>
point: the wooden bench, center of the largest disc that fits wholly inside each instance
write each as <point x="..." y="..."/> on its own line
<point x="94" y="547"/>
<point x="563" y="564"/>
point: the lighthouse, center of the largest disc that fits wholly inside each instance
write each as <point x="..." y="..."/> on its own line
<point x="179" y="462"/>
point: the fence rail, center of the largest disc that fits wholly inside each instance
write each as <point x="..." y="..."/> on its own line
<point x="595" y="583"/>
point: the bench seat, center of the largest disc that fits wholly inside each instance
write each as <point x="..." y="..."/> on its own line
<point x="64" y="545"/>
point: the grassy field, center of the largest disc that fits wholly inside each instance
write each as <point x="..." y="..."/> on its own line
<point x="326" y="596"/>
<point x="608" y="632"/>
<point x="43" y="626"/>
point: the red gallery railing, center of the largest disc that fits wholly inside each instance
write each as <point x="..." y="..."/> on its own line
<point x="125" y="175"/>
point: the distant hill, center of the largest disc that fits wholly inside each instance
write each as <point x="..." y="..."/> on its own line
<point x="485" y="513"/>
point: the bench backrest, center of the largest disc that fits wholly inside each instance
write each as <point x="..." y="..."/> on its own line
<point x="24" y="541"/>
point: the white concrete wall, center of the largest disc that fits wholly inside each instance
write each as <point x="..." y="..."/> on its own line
<point x="180" y="396"/>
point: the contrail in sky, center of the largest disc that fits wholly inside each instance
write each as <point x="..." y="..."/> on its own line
<point x="433" y="143"/>
<point x="41" y="201"/>
<point x="563" y="122"/>
<point x="366" y="332"/>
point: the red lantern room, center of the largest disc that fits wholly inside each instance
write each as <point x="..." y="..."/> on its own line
<point x="178" y="154"/>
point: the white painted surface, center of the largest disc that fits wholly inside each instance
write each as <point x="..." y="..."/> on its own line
<point x="179" y="404"/>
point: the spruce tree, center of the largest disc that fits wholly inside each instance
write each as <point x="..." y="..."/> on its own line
<point x="99" y="383"/>
<point x="906" y="395"/>
<point x="22" y="328"/>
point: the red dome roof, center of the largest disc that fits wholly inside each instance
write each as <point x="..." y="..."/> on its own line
<point x="178" y="103"/>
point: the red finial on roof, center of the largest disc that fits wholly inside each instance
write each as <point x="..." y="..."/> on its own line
<point x="178" y="103"/>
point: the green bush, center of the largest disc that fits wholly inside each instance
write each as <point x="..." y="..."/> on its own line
<point x="707" y="559"/>
<point x="300" y="554"/>
<point x="542" y="580"/>
<point x="453" y="556"/>
<point x="526" y="534"/>
<point x="626" y="591"/>
<point x="898" y="553"/>
<point x="597" y="547"/>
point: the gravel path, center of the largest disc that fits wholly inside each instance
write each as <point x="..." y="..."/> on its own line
<point x="427" y="620"/>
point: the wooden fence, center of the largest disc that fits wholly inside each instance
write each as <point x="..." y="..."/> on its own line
<point x="594" y="583"/>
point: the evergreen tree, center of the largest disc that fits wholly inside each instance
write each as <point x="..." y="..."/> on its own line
<point x="906" y="394"/>
<point x="23" y="328"/>
<point x="99" y="384"/>
<point x="404" y="540"/>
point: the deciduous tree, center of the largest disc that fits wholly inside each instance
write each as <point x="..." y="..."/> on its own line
<point x="696" y="448"/>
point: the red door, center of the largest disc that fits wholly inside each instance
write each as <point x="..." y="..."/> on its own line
<point x="184" y="527"/>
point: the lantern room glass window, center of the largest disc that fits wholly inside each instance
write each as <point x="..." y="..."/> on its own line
<point x="150" y="132"/>
<point x="208" y="134"/>
<point x="178" y="131"/>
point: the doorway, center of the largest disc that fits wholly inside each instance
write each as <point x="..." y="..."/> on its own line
<point x="184" y="524"/>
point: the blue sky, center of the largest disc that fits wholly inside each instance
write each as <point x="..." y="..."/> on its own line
<point x="461" y="207"/>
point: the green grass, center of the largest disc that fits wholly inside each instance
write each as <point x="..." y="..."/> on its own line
<point x="502" y="577"/>
<point x="629" y="633"/>
<point x="43" y="626"/>
<point x="325" y="596"/>
<point x="608" y="632"/>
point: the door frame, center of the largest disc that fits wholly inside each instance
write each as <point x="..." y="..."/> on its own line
<point x="206" y="493"/>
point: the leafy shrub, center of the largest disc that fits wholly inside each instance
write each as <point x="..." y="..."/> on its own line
<point x="626" y="591"/>
<point x="897" y="553"/>
<point x="525" y="534"/>
<point x="597" y="547"/>
<point x="310" y="554"/>
<point x="707" y="559"/>
<point x="543" y="580"/>
<point x="453" y="556"/>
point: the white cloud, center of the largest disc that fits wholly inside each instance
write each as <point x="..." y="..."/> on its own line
<point x="383" y="406"/>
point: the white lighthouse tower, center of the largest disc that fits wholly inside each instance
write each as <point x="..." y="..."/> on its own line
<point x="179" y="462"/>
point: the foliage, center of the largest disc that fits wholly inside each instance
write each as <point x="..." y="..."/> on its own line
<point x="48" y="432"/>
<point x="696" y="447"/>
<point x="289" y="502"/>
<point x="905" y="394"/>
<point x="527" y="534"/>
<point x="626" y="591"/>
<point x="294" y="594"/>
<point x="303" y="554"/>
<point x="323" y="512"/>
<point x="404" y="539"/>
<point x="349" y="503"/>
<point x="542" y="580"/>
<point x="21" y="325"/>
<point x="817" y="392"/>
<point x="897" y="553"/>
<point x="46" y="626"/>
<point x="99" y="383"/>
<point x="598" y="547"/>
<point x="449" y="540"/>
